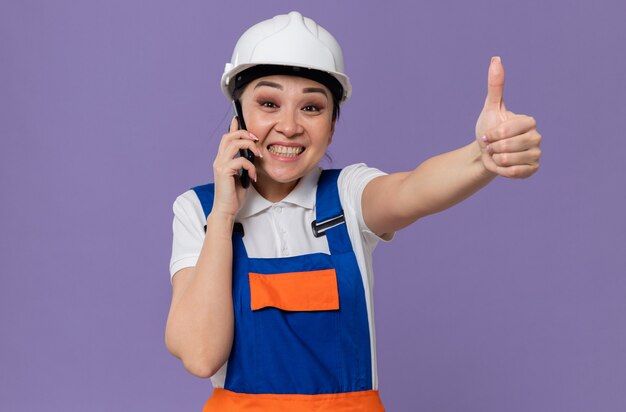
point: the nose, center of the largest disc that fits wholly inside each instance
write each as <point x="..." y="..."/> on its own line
<point x="289" y="123"/>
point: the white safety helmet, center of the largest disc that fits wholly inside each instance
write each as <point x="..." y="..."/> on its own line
<point x="287" y="44"/>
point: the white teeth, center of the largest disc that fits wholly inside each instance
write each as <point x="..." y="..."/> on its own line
<point x="287" y="151"/>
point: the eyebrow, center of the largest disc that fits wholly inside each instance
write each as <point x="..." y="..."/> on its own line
<point x="315" y="90"/>
<point x="269" y="84"/>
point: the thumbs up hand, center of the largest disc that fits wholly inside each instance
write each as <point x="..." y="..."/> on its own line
<point x="509" y="142"/>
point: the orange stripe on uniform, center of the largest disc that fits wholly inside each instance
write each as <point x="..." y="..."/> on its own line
<point x="224" y="400"/>
<point x="295" y="291"/>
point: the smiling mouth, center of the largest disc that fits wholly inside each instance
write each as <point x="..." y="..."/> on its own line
<point x="285" y="151"/>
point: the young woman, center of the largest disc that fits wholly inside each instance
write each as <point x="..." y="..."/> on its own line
<point x="272" y="283"/>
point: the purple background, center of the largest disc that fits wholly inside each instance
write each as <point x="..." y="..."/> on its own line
<point x="513" y="301"/>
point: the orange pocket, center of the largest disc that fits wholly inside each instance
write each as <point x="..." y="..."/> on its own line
<point x="295" y="291"/>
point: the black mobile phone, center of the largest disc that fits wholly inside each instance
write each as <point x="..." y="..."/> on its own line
<point x="244" y="177"/>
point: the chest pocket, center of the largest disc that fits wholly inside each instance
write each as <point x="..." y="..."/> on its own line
<point x="308" y="291"/>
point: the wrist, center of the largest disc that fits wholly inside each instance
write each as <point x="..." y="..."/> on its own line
<point x="476" y="158"/>
<point x="221" y="221"/>
<point x="475" y="152"/>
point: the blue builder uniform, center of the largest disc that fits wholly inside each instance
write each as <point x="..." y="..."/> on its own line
<point x="302" y="336"/>
<point x="304" y="329"/>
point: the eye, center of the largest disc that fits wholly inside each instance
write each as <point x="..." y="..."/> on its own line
<point x="268" y="104"/>
<point x="311" y="108"/>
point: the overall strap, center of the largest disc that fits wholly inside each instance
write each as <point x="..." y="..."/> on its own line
<point x="329" y="219"/>
<point x="327" y="203"/>
<point x="205" y="194"/>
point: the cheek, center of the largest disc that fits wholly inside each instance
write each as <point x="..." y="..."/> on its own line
<point x="328" y="133"/>
<point x="258" y="124"/>
<point x="322" y="127"/>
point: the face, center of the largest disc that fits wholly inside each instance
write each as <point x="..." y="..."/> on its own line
<point x="292" y="117"/>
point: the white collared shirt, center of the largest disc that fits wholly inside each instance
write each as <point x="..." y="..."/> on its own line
<point x="283" y="229"/>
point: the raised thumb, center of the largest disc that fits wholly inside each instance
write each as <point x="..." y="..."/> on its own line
<point x="495" y="84"/>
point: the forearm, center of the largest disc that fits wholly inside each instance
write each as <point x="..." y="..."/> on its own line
<point x="443" y="181"/>
<point x="395" y="201"/>
<point x="200" y="325"/>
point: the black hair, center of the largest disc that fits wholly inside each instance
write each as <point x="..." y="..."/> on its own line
<point x="245" y="77"/>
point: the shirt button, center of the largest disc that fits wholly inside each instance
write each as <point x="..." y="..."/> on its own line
<point x="279" y="209"/>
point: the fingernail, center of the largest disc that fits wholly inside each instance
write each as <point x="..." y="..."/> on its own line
<point x="496" y="58"/>
<point x="253" y="136"/>
<point x="484" y="139"/>
<point x="489" y="149"/>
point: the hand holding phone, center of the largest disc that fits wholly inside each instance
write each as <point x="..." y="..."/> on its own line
<point x="244" y="177"/>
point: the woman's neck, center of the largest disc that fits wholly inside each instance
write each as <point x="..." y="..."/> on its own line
<point x="272" y="190"/>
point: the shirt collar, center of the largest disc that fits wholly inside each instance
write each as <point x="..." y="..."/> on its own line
<point x="302" y="195"/>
